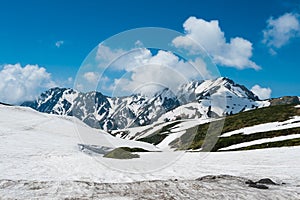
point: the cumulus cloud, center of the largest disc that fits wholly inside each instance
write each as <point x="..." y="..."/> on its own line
<point x="91" y="77"/>
<point x="235" y="53"/>
<point x="67" y="83"/>
<point x="105" y="55"/>
<point x="59" y="43"/>
<point x="20" y="84"/>
<point x="134" y="58"/>
<point x="262" y="93"/>
<point x="281" y="30"/>
<point x="148" y="73"/>
<point x="201" y="68"/>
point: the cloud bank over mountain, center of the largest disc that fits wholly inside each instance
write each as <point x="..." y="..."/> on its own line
<point x="19" y="83"/>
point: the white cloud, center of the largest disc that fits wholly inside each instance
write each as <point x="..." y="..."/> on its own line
<point x="147" y="73"/>
<point x="105" y="55"/>
<point x="66" y="83"/>
<point x="132" y="59"/>
<point x="281" y="30"/>
<point x="91" y="77"/>
<point x="20" y="84"/>
<point x="119" y="59"/>
<point x="103" y="82"/>
<point x="236" y="53"/>
<point x="201" y="68"/>
<point x="94" y="82"/>
<point x="262" y="93"/>
<point x="59" y="43"/>
<point x="161" y="70"/>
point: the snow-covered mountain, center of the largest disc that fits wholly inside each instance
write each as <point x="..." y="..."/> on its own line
<point x="197" y="99"/>
<point x="219" y="97"/>
<point x="104" y="112"/>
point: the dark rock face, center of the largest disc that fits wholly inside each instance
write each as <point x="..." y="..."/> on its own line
<point x="258" y="186"/>
<point x="261" y="184"/>
<point x="266" y="181"/>
<point x="250" y="182"/>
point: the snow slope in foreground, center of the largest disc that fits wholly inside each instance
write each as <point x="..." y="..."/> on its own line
<point x="41" y="147"/>
<point x="47" y="130"/>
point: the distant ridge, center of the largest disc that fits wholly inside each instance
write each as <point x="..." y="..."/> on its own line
<point x="285" y="100"/>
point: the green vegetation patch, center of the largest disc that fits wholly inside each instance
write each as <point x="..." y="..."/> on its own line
<point x="207" y="136"/>
<point x="168" y="127"/>
<point x="154" y="139"/>
<point x="136" y="149"/>
<point x="184" y="142"/>
<point x="120" y="153"/>
<point x="204" y="136"/>
<point x="240" y="138"/>
<point x="260" y="116"/>
<point x="159" y="135"/>
<point x="199" y="137"/>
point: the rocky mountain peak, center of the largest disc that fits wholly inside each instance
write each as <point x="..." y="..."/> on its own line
<point x="100" y="111"/>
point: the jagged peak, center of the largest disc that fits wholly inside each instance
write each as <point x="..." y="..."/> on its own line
<point x="234" y="87"/>
<point x="57" y="90"/>
<point x="94" y="93"/>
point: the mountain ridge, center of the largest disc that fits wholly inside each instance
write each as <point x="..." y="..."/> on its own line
<point x="194" y="99"/>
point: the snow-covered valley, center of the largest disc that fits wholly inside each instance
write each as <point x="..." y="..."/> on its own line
<point x="40" y="158"/>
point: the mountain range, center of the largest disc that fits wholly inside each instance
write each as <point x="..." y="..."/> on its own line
<point x="196" y="99"/>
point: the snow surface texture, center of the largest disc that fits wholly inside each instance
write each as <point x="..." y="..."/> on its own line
<point x="209" y="187"/>
<point x="40" y="156"/>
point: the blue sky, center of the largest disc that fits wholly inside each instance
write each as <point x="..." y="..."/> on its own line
<point x="58" y="35"/>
